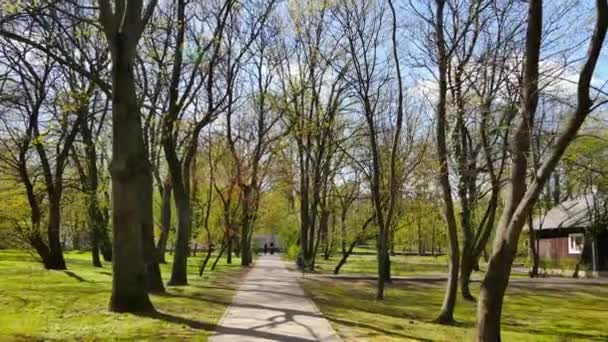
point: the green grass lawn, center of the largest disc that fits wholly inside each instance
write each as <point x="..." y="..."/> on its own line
<point x="539" y="311"/>
<point x="36" y="304"/>
<point x="401" y="265"/>
<point x="367" y="264"/>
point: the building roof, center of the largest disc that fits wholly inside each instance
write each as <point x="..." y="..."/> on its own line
<point x="572" y="213"/>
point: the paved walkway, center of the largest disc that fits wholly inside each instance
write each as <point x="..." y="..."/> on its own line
<point x="270" y="305"/>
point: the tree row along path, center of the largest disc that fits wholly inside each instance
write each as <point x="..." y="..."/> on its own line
<point x="270" y="305"/>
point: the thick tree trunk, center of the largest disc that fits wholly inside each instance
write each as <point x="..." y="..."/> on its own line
<point x="34" y="238"/>
<point x="387" y="267"/>
<point x="131" y="175"/>
<point x="245" y="248"/>
<point x="106" y="247"/>
<point x="467" y="265"/>
<point x="495" y="282"/>
<point x="94" y="234"/>
<point x="522" y="200"/>
<point x="446" y="315"/>
<point x="41" y="248"/>
<point x="95" y="255"/>
<point x="154" y="277"/>
<point x="179" y="271"/>
<point x="55" y="258"/>
<point x="491" y="298"/>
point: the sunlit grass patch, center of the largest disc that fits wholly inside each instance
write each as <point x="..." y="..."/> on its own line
<point x="562" y="313"/>
<point x="36" y="304"/>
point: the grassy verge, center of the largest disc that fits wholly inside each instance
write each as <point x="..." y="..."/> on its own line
<point x="367" y="264"/>
<point x="541" y="311"/>
<point x="401" y="265"/>
<point x="36" y="304"/>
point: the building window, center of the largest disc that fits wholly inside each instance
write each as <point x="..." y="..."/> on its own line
<point x="575" y="243"/>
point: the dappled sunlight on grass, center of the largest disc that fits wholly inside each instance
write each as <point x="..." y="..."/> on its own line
<point x="562" y="313"/>
<point x="67" y="305"/>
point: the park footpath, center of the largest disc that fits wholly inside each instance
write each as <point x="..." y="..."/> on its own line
<point x="270" y="305"/>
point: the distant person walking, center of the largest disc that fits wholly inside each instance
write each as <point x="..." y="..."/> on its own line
<point x="265" y="248"/>
<point x="271" y="248"/>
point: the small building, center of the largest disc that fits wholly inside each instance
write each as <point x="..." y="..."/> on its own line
<point x="563" y="239"/>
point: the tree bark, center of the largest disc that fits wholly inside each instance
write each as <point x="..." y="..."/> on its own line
<point x="521" y="202"/>
<point x="229" y="251"/>
<point x="165" y="219"/>
<point x="179" y="272"/>
<point x="466" y="269"/>
<point x="130" y="168"/>
<point x="446" y="316"/>
<point x="56" y="260"/>
<point x="532" y="249"/>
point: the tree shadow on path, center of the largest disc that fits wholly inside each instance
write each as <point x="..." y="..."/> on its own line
<point x="219" y="330"/>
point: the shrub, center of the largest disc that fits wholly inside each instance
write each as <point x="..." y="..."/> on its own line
<point x="292" y="252"/>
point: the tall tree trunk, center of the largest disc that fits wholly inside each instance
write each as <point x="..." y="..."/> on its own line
<point x="131" y="175"/>
<point x="532" y="249"/>
<point x="95" y="222"/>
<point x="306" y="227"/>
<point x="557" y="196"/>
<point x="165" y="219"/>
<point x="433" y="239"/>
<point x="95" y="251"/>
<point x="387" y="267"/>
<point x="34" y="238"/>
<point x="229" y="250"/>
<point x="393" y="251"/>
<point x="56" y="260"/>
<point x="179" y="271"/>
<point x="495" y="282"/>
<point x="106" y="242"/>
<point x="36" y="241"/>
<point x="246" y="225"/>
<point x="324" y="228"/>
<point x="446" y="316"/>
<point x="419" y="239"/>
<point x="154" y="277"/>
<point x="522" y="200"/>
<point x="343" y="232"/>
<point x="466" y="269"/>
